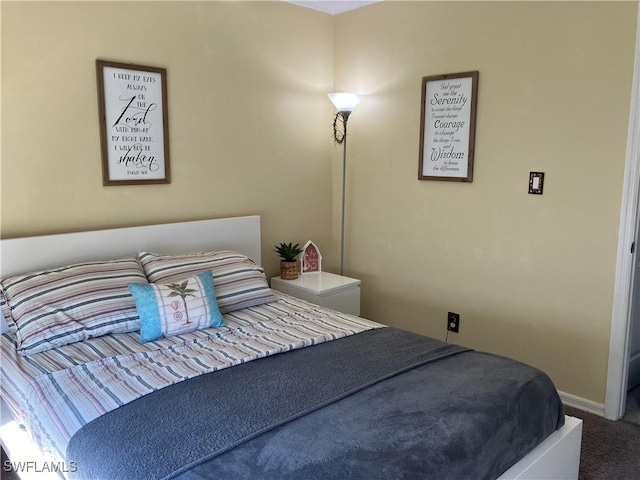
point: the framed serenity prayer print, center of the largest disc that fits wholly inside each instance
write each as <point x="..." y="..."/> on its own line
<point x="132" y="103"/>
<point x="447" y="127"/>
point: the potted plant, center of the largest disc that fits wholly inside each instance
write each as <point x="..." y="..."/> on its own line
<point x="288" y="265"/>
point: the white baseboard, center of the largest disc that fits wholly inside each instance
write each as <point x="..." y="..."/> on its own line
<point x="582" y="404"/>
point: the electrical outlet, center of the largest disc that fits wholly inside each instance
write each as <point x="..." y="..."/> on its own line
<point x="453" y="322"/>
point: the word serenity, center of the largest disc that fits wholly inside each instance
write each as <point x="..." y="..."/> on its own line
<point x="447" y="104"/>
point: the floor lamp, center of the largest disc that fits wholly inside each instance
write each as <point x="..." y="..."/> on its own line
<point x="345" y="103"/>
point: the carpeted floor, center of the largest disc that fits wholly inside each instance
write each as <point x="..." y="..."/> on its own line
<point x="610" y="450"/>
<point x="632" y="412"/>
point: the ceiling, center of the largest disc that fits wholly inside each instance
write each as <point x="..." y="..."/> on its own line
<point x="333" y="7"/>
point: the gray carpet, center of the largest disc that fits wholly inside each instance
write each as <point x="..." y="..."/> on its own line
<point x="610" y="450"/>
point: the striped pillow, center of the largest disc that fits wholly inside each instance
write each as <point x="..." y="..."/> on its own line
<point x="239" y="282"/>
<point x="73" y="303"/>
<point x="6" y="314"/>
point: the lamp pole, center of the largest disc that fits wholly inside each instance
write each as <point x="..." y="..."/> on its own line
<point x="344" y="189"/>
<point x="345" y="103"/>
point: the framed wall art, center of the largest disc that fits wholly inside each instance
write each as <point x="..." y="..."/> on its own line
<point x="447" y="127"/>
<point x="134" y="135"/>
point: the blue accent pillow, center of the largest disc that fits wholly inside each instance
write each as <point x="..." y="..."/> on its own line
<point x="175" y="308"/>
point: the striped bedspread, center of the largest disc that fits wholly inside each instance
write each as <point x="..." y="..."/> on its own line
<point x="55" y="393"/>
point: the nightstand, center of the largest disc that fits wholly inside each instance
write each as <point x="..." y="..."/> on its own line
<point x="324" y="289"/>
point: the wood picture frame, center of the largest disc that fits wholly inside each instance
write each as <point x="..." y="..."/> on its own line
<point x="134" y="133"/>
<point x="447" y="127"/>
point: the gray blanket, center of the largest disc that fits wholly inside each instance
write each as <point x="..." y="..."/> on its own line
<point x="380" y="404"/>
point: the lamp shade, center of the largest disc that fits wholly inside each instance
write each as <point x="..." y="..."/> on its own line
<point x="345" y="102"/>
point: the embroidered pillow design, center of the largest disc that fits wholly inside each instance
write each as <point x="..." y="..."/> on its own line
<point x="178" y="307"/>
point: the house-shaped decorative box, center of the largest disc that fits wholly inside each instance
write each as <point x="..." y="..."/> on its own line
<point x="310" y="259"/>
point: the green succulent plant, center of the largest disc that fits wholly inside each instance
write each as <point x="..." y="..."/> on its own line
<point x="288" y="251"/>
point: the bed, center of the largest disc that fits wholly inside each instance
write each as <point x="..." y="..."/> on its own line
<point x="279" y="388"/>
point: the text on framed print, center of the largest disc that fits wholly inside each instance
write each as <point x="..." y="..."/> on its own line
<point x="447" y="127"/>
<point x="132" y="102"/>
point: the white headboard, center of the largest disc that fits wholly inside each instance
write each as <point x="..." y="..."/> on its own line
<point x="19" y="255"/>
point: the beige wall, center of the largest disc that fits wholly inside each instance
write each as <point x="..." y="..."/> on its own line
<point x="248" y="115"/>
<point x="531" y="276"/>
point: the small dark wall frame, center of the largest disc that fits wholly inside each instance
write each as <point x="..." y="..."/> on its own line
<point x="134" y="133"/>
<point x="536" y="183"/>
<point x="448" y="126"/>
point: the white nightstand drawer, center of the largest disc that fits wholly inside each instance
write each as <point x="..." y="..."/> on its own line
<point x="324" y="289"/>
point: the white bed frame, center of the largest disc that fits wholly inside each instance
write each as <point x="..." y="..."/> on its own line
<point x="556" y="458"/>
